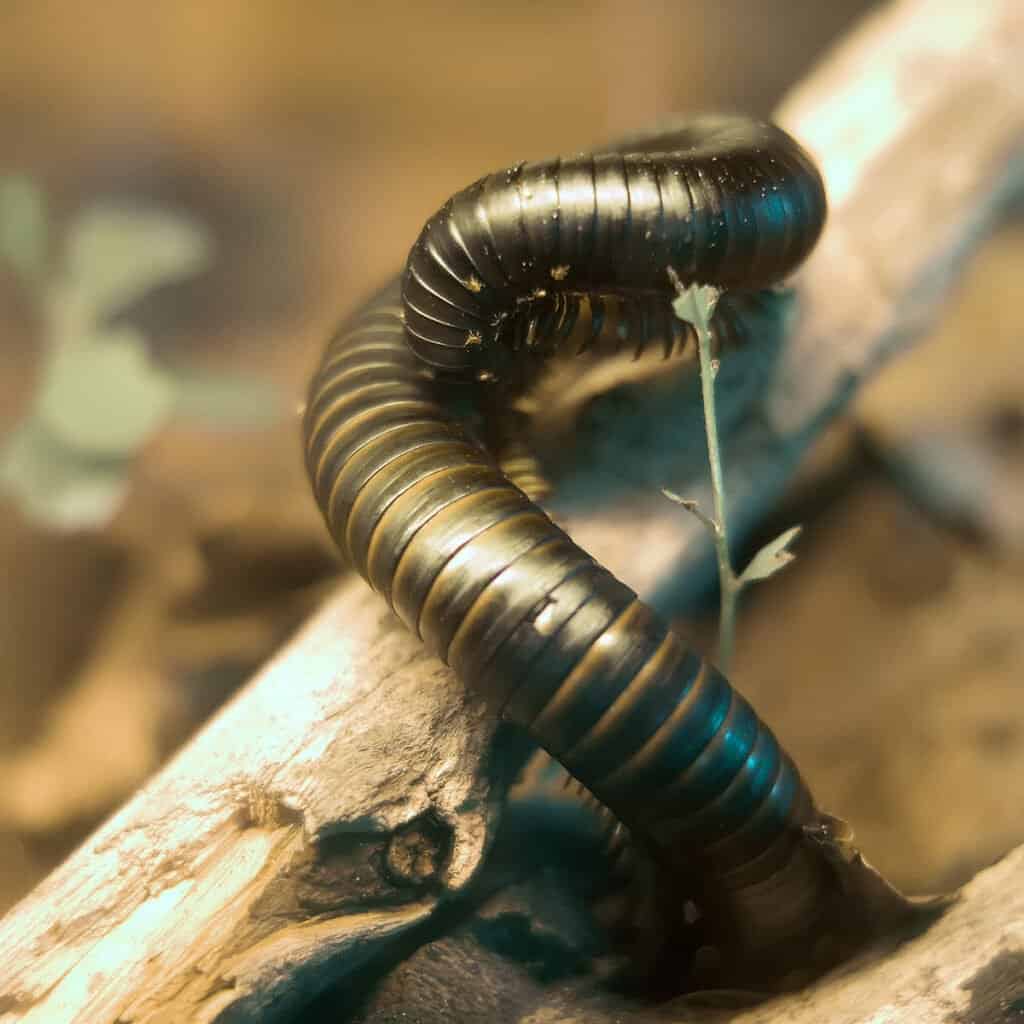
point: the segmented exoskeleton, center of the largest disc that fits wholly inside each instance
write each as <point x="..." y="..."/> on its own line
<point x="494" y="286"/>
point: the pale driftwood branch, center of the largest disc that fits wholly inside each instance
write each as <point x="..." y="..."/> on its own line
<point x="917" y="120"/>
<point x="247" y="874"/>
<point x="201" y="893"/>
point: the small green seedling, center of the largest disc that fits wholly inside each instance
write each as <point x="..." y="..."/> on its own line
<point x="695" y="304"/>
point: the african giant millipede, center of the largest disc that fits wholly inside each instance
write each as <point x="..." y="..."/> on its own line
<point x="492" y="288"/>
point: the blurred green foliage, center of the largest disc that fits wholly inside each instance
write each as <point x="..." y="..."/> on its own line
<point x="102" y="396"/>
<point x="23" y="228"/>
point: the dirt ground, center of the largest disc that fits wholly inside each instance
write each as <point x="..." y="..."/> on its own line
<point x="313" y="141"/>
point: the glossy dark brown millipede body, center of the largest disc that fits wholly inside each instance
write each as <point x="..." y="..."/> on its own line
<point x="492" y="288"/>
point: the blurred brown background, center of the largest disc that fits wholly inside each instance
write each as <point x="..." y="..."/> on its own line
<point x="311" y="140"/>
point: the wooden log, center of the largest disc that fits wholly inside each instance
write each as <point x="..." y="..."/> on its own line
<point x="348" y="791"/>
<point x="352" y="772"/>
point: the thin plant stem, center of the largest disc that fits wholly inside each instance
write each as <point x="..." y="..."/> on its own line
<point x="729" y="587"/>
<point x="729" y="583"/>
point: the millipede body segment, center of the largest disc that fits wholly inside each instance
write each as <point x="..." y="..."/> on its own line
<point x="494" y="286"/>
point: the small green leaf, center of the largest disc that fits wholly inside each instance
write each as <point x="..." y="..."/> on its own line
<point x="227" y="400"/>
<point x="771" y="558"/>
<point x="115" y="254"/>
<point x="104" y="397"/>
<point x="695" y="304"/>
<point x="23" y="228"/>
<point x="56" y="486"/>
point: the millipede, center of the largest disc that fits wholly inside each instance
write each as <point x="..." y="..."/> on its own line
<point x="553" y="258"/>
